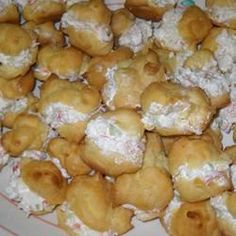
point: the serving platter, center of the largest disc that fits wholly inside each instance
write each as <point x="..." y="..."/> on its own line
<point x="14" y="222"/>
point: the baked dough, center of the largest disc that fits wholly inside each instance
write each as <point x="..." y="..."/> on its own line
<point x="8" y="12"/>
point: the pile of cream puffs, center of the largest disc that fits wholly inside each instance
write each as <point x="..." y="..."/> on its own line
<point x="110" y="115"/>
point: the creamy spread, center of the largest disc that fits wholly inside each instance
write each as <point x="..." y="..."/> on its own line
<point x="10" y="105"/>
<point x="58" y="114"/>
<point x="109" y="89"/>
<point x="35" y="155"/>
<point x="217" y="172"/>
<point x="4" y="4"/>
<point x="43" y="71"/>
<point x="212" y="81"/>
<point x="110" y="138"/>
<point x="18" y="191"/>
<point x="78" y="227"/>
<point x="223" y="14"/>
<point x="163" y="3"/>
<point x="63" y="171"/>
<point x="167" y="32"/>
<point x="137" y="35"/>
<point x="173" y="206"/>
<point x="25" y="57"/>
<point x="103" y="32"/>
<point x="221" y="209"/>
<point x="170" y="116"/>
<point x="226" y="50"/>
<point x="141" y="214"/>
<point x="4" y="157"/>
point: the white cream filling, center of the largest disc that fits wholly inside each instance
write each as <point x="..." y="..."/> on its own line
<point x="4" y="157"/>
<point x="170" y="116"/>
<point x="212" y="81"/>
<point x="108" y="137"/>
<point x="109" y="89"/>
<point x="103" y="32"/>
<point x="222" y="14"/>
<point x="222" y="212"/>
<point x="63" y="171"/>
<point x="173" y="206"/>
<point x="78" y="227"/>
<point x="25" y="57"/>
<point x="141" y="214"/>
<point x="4" y="4"/>
<point x="58" y="114"/>
<point x="217" y="172"/>
<point x="163" y="3"/>
<point x="233" y="175"/>
<point x="226" y="51"/>
<point x="167" y="33"/>
<point x="18" y="191"/>
<point x="137" y="35"/>
<point x="35" y="155"/>
<point x="43" y="71"/>
<point x="10" y="105"/>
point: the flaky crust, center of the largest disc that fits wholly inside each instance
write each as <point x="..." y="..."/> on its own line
<point x="91" y="200"/>
<point x="43" y="178"/>
<point x="167" y="94"/>
<point x="96" y="12"/>
<point x="28" y="132"/>
<point x="195" y="153"/>
<point x="146" y="9"/>
<point x="9" y="14"/>
<point x="69" y="155"/>
<point x="18" y="41"/>
<point x="36" y="11"/>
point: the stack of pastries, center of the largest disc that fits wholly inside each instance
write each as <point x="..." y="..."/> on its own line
<point x="109" y="115"/>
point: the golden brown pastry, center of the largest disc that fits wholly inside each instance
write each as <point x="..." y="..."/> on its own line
<point x="87" y="25"/>
<point x="41" y="11"/>
<point x="222" y="12"/>
<point x="66" y="63"/>
<point x="171" y="109"/>
<point x="47" y="33"/>
<point x="199" y="169"/>
<point x="18" y="87"/>
<point x="37" y="186"/>
<point x="98" y="67"/>
<point x="89" y="209"/>
<point x="224" y="206"/>
<point x="182" y="28"/>
<point x="130" y="31"/>
<point x="185" y="219"/>
<point x="114" y="142"/>
<point x="18" y="50"/>
<point x="201" y="70"/>
<point x="28" y="133"/>
<point x="127" y="80"/>
<point x="68" y="154"/>
<point x="67" y="106"/>
<point x="8" y="12"/>
<point x="149" y="10"/>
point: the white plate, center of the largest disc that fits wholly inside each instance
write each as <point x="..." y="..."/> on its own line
<point x="13" y="222"/>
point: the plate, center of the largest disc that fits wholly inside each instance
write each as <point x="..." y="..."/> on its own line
<point x="14" y="222"/>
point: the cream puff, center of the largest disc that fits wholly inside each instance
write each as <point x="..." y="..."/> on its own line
<point x="114" y="142"/>
<point x="128" y="79"/>
<point x="131" y="32"/>
<point x="201" y="70"/>
<point x="18" y="52"/>
<point x="29" y="132"/>
<point x="96" y="212"/>
<point x="171" y="109"/>
<point x="88" y="27"/>
<point x="67" y="107"/>
<point x="222" y="12"/>
<point x="41" y="11"/>
<point x="64" y="62"/>
<point x="8" y="12"/>
<point x="184" y="219"/>
<point x="68" y="154"/>
<point x="224" y="206"/>
<point x="98" y="67"/>
<point x="47" y="33"/>
<point x="199" y="170"/>
<point x="149" y="10"/>
<point x="182" y="28"/>
<point x="37" y="186"/>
